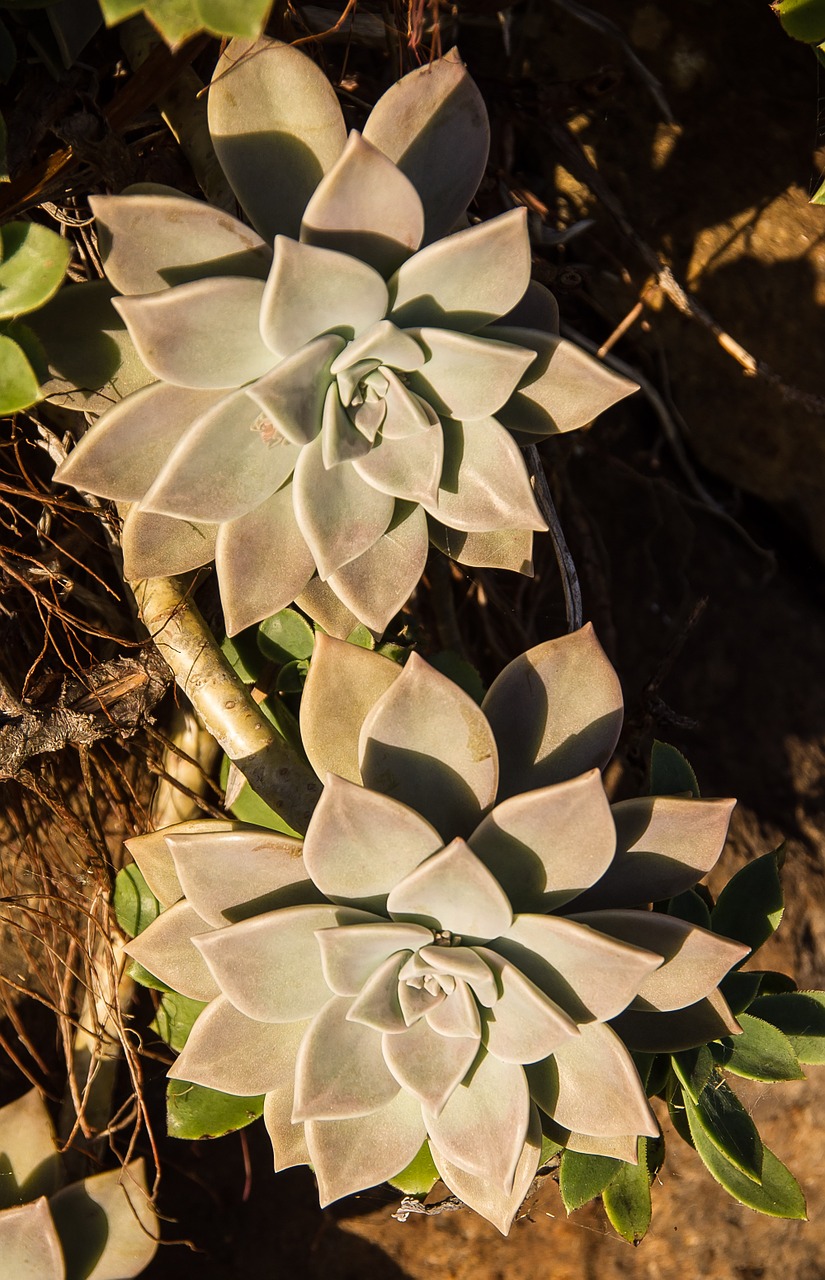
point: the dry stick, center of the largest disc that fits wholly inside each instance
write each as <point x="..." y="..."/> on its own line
<point x="567" y="568"/>
<point x="223" y="701"/>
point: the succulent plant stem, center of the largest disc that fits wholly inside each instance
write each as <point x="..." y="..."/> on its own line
<point x="223" y="702"/>
<point x="567" y="568"/>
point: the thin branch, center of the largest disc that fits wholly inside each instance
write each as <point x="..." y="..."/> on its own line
<point x="567" y="568"/>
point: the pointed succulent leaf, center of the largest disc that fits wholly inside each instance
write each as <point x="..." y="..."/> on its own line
<point x="626" y="1198"/>
<point x="501" y="549"/>
<point x="385" y="343"/>
<point x="339" y="515"/>
<point x="340" y="1071"/>
<point x="349" y="1155"/>
<point x="311" y="291"/>
<point x="166" y="950"/>
<point x="464" y="963"/>
<point x="149" y="242"/>
<point x="269" y="534"/>
<point x="292" y="394"/>
<point x="466" y="376"/>
<point x="270" y="966"/>
<point x="482" y="1195"/>
<point x="30" y="1244"/>
<point x="366" y="207"/>
<point x="584" y="971"/>
<point x="343" y="685"/>
<point x="453" y="890"/>
<point x="583" y="1177"/>
<point x="360" y="844"/>
<point x="483" y="1126"/>
<point x="288" y="1140"/>
<point x="429" y="1065"/>
<point x="426" y="743"/>
<point x="697" y="1024"/>
<point x="341" y="440"/>
<point x="29" y="1153"/>
<point x="556" y="712"/>
<point x="152" y="855"/>
<point x="34" y="262"/>
<point x="423" y="123"/>
<point x="273" y="111"/>
<point x="107" y="1228"/>
<point x="457" y="1015"/>
<point x="590" y="1085"/>
<point x="378" y="1005"/>
<point x="800" y="1015"/>
<point x="193" y="1111"/>
<point x="695" y="961"/>
<point x="546" y="846"/>
<point x="380" y="581"/>
<point x="624" y="1147"/>
<point x="177" y="338"/>
<point x="408" y="467"/>
<point x="751" y="905"/>
<point x="466" y="280"/>
<point x="234" y="1054"/>
<point x="537" y="309"/>
<point x="351" y="954"/>
<point x="233" y="869"/>
<point x="763" y="1052"/>
<point x="524" y="1025"/>
<point x="156" y="546"/>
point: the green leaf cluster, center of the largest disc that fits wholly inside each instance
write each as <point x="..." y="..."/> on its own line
<point x="178" y="20"/>
<point x="33" y="264"/>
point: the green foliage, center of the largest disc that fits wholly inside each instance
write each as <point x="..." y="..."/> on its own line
<point x="193" y="1111"/>
<point x="177" y="20"/>
<point x="249" y="807"/>
<point x="362" y="637"/>
<point x="135" y="904"/>
<point x="803" y="19"/>
<point x="763" y="1052"/>
<point x="690" y="906"/>
<point x="243" y="655"/>
<point x="461" y="672"/>
<point x="750" y="907"/>
<point x="626" y="1198"/>
<point x="175" y="1018"/>
<point x="286" y="636"/>
<point x="693" y="1069"/>
<point x="34" y="262"/>
<point x="729" y="1127"/>
<point x="583" y="1177"/>
<point x="420" y="1175"/>
<point x="670" y="772"/>
<point x="801" y="1016"/>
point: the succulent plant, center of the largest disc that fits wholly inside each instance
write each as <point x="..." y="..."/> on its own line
<point x="454" y="954"/>
<point x="331" y="390"/>
<point x="100" y="1228"/>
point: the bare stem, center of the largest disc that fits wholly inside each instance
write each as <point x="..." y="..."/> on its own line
<point x="567" y="567"/>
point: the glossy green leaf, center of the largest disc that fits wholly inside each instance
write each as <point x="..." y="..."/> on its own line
<point x="694" y="1068"/>
<point x="193" y="1111"/>
<point x="136" y="907"/>
<point x="292" y="676"/>
<point x="778" y="1194"/>
<point x="730" y="1128"/>
<point x="34" y="263"/>
<point x="175" y="1018"/>
<point x="626" y="1199"/>
<point x="803" y="19"/>
<point x="362" y="637"/>
<point x="763" y="1052"/>
<point x="18" y="384"/>
<point x="249" y="807"/>
<point x="750" y="906"/>
<point x="243" y="655"/>
<point x="420" y="1175"/>
<point x="461" y="672"/>
<point x="234" y="17"/>
<point x="690" y="906"/>
<point x="286" y="636"/>
<point x="800" y="1015"/>
<point x="670" y="772"/>
<point x="582" y="1177"/>
<point x="740" y="989"/>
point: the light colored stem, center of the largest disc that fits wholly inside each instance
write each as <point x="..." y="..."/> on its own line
<point x="223" y="701"/>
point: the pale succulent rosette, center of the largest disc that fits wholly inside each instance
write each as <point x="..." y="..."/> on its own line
<point x="328" y="392"/>
<point x="467" y="917"/>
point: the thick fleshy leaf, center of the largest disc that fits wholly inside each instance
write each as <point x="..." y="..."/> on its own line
<point x="546" y="846"/>
<point x="537" y="309"/>
<point x="483" y="1126"/>
<point x="123" y="452"/>
<point x="407" y="467"/>
<point x="426" y="743"/>
<point x="485" y="1197"/>
<point x="556" y="712"/>
<point x="272" y="111"/>
<point x="585" y="972"/>
<point x="262" y="560"/>
<point x="29" y="1154"/>
<point x="564" y="388"/>
<point x="501" y="549"/>
<point x="340" y="1071"/>
<point x="341" y="441"/>
<point x="166" y="949"/>
<point x="156" y="546"/>
<point x="467" y="377"/>
<point x="234" y="1054"/>
<point x="203" y="334"/>
<point x="149" y="242"/>
<point x="624" y="1147"/>
<point x="366" y="207"/>
<point x="384" y="343"/>
<point x="664" y="844"/>
<point x="29" y="1243"/>
<point x="458" y="1014"/>
<point x="484" y="484"/>
<point x="292" y="394"/>
<point x="152" y="855"/>
<point x="696" y="960"/>
<point x="590" y="1085"/>
<point x="270" y="966"/>
<point x="460" y="963"/>
<point x="288" y="1140"/>
<point x="227" y="464"/>
<point x="360" y="844"/>
<point x="381" y="581"/>
<point x="349" y="1155"/>
<point x="427" y="1064"/>
<point x="453" y="890"/>
<point x="344" y="683"/>
<point x="679" y="1029"/>
<point x="350" y="955"/>
<point x="524" y="1025"/>
<point x="340" y="515"/>
<point x="320" y="602"/>
<point x="466" y="280"/>
<point x="33" y="263"/>
<point x="312" y="291"/>
<point x="106" y="1224"/>
<point x="425" y="122"/>
<point x="225" y="871"/>
<point x="378" y="1004"/>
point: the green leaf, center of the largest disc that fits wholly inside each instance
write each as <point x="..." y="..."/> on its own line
<point x="34" y="263"/>
<point x="395" y="652"/>
<point x="803" y="19"/>
<point x="116" y="10"/>
<point x="678" y="1115"/>
<point x="18" y="384"/>
<point x="234" y="17"/>
<point x="243" y="655"/>
<point x="658" y="1076"/>
<point x="292" y="676"/>
<point x="750" y="906"/>
<point x="670" y="772"/>
<point x="626" y="1198"/>
<point x="778" y="1194"/>
<point x="694" y="1068"/>
<point x="175" y="1018"/>
<point x="690" y="906"/>
<point x="361" y="637"/>
<point x="193" y="1111"/>
<point x="800" y="1015"/>
<point x="136" y="907"/>
<point x="549" y="1147"/>
<point x="249" y="807"/>
<point x="740" y="989"/>
<point x="818" y="196"/>
<point x="461" y="672"/>
<point x="583" y="1177"/>
<point x="420" y="1175"/>
<point x="145" y="978"/>
<point x="773" y="983"/>
<point x="285" y="636"/>
<point x="730" y="1128"/>
<point x="763" y="1052"/>
<point x="176" y="20"/>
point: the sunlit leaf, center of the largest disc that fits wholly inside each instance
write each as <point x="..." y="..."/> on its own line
<point x="135" y="904"/>
<point x="286" y="636"/>
<point x="763" y="1052"/>
<point x="192" y="1111"/>
<point x="582" y="1178"/>
<point x="626" y="1198"/>
<point x="801" y="1016"/>
<point x="420" y="1175"/>
<point x="175" y="1018"/>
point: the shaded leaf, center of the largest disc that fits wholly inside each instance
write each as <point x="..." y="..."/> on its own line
<point x="192" y="1111"/>
<point x="670" y="772"/>
<point x="750" y="906"/>
<point x="286" y="636"/>
<point x="243" y="654"/>
<point x="740" y="989"/>
<point x="461" y="672"/>
<point x="582" y="1178"/>
<point x="135" y="904"/>
<point x="249" y="807"/>
<point x="34" y="263"/>
<point x="420" y="1175"/>
<point x="627" y="1198"/>
<point x="763" y="1052"/>
<point x="800" y="1015"/>
<point x="678" y="1115"/>
<point x="694" y="1068"/>
<point x="18" y="385"/>
<point x="690" y="906"/>
<point x="175" y="1018"/>
<point x="730" y="1128"/>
